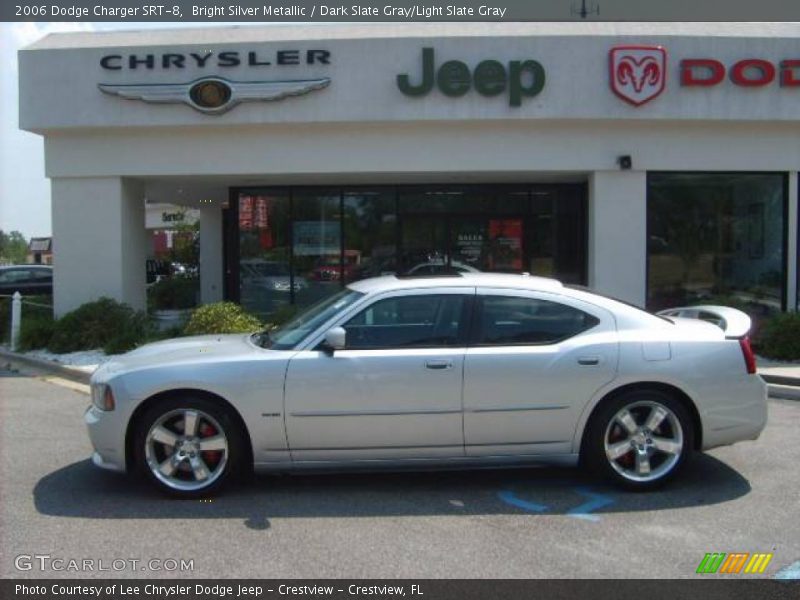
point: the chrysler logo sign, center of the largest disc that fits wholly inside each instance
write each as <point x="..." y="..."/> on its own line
<point x="214" y="95"/>
<point x="638" y="73"/>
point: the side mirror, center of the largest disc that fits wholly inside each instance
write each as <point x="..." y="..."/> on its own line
<point x="335" y="338"/>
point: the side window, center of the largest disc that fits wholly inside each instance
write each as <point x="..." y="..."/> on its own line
<point x="507" y="320"/>
<point x="42" y="275"/>
<point x="14" y="276"/>
<point x="407" y="322"/>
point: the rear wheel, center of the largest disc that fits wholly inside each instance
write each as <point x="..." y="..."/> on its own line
<point x="640" y="439"/>
<point x="188" y="447"/>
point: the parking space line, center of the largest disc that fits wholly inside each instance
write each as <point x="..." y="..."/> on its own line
<point x="595" y="501"/>
<point x="792" y="572"/>
<point x="511" y="498"/>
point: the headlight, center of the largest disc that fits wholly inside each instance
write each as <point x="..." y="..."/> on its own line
<point x="102" y="396"/>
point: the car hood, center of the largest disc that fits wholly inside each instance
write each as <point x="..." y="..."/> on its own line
<point x="199" y="348"/>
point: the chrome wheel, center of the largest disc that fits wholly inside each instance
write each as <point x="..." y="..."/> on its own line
<point x="644" y="441"/>
<point x="186" y="449"/>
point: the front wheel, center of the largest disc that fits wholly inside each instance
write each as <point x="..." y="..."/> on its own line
<point x="188" y="447"/>
<point x="640" y="440"/>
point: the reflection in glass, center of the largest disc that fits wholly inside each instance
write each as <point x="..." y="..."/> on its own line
<point x="301" y="245"/>
<point x="370" y="234"/>
<point x="264" y="276"/>
<point x="716" y="238"/>
<point x="317" y="244"/>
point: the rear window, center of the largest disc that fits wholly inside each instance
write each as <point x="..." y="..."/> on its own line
<point x="511" y="320"/>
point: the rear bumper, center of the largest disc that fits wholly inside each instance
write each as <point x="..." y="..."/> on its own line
<point x="738" y="413"/>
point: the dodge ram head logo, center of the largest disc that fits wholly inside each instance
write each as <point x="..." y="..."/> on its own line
<point x="638" y="73"/>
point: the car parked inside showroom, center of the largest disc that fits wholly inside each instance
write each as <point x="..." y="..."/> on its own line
<point x="460" y="370"/>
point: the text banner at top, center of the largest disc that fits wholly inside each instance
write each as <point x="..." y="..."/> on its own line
<point x="262" y="11"/>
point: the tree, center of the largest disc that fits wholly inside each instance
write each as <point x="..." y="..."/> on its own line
<point x="13" y="247"/>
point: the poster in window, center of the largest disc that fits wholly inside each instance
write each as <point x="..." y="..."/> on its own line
<point x="505" y="236"/>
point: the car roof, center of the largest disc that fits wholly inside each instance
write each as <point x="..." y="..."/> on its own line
<point x="9" y="267"/>
<point x="504" y="280"/>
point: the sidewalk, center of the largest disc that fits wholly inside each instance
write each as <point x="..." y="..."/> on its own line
<point x="787" y="373"/>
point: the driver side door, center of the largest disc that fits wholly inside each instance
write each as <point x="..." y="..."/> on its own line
<point x="393" y="392"/>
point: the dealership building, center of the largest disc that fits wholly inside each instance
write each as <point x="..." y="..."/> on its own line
<point x="657" y="163"/>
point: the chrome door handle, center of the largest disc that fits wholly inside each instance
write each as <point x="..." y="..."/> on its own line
<point x="589" y="361"/>
<point x="438" y="364"/>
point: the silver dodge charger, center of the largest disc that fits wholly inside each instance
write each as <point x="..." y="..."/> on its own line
<point x="465" y="370"/>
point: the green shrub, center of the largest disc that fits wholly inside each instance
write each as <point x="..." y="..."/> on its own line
<point x="104" y="323"/>
<point x="35" y="332"/>
<point x="221" y="317"/>
<point x="176" y="293"/>
<point x="780" y="337"/>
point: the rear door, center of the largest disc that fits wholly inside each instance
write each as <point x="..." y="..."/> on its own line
<point x="534" y="361"/>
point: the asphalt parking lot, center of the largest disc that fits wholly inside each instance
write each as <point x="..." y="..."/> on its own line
<point x="497" y="523"/>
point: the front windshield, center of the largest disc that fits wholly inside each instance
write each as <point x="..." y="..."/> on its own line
<point x="286" y="336"/>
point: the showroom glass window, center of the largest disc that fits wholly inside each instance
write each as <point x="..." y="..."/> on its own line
<point x="290" y="247"/>
<point x="316" y="244"/>
<point x="264" y="252"/>
<point x="716" y="237"/>
<point x="370" y="233"/>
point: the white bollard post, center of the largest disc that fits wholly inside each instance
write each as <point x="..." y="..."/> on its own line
<point x="16" y="319"/>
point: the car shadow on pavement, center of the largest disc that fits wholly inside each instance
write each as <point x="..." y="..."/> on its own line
<point x="81" y="490"/>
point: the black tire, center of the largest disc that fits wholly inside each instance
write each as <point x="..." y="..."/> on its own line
<point x="220" y="415"/>
<point x="593" y="450"/>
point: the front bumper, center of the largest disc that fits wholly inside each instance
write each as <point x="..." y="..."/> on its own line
<point x="107" y="437"/>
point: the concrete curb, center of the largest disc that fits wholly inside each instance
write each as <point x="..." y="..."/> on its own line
<point x="784" y="392"/>
<point x="48" y="366"/>
<point x="781" y="380"/>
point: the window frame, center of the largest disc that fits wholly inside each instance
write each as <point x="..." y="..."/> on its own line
<point x="464" y="326"/>
<point x="477" y="313"/>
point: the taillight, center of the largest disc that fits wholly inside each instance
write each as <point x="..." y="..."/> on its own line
<point x="747" y="352"/>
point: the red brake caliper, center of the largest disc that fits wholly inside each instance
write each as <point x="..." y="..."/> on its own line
<point x="211" y="457"/>
<point x="626" y="460"/>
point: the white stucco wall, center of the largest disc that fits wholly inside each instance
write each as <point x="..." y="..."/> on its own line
<point x="618" y="234"/>
<point x="99" y="225"/>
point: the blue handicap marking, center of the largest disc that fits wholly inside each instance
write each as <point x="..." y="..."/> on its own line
<point x="511" y="498"/>
<point x="595" y="501"/>
<point x="790" y="572"/>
